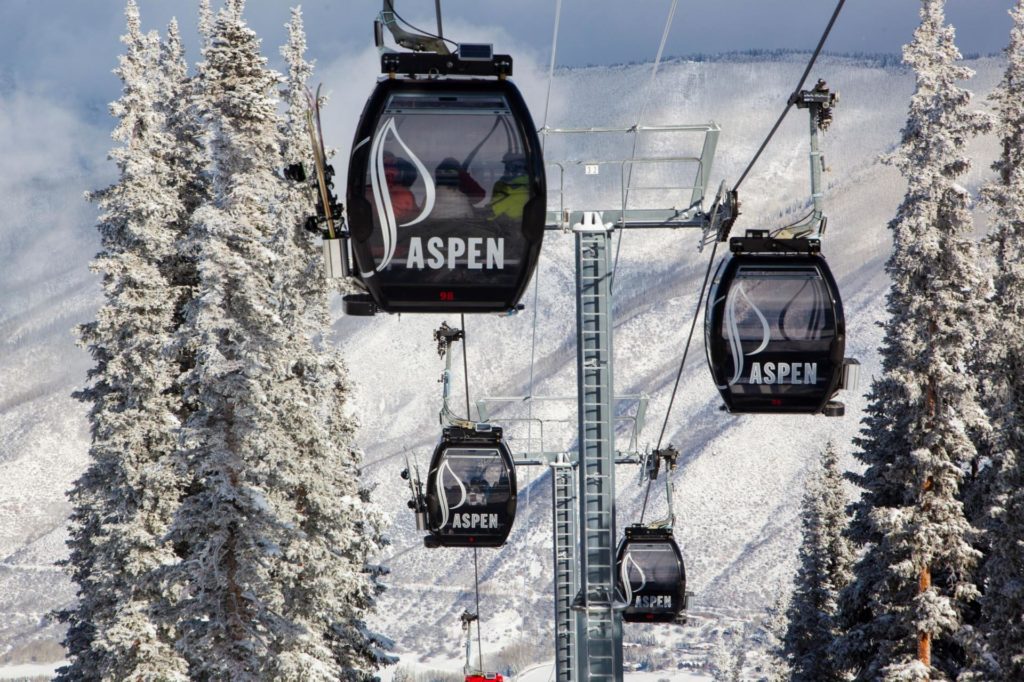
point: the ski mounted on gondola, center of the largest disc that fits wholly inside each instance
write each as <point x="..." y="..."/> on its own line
<point x="327" y="220"/>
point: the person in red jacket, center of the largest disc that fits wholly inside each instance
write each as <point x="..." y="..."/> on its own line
<point x="399" y="177"/>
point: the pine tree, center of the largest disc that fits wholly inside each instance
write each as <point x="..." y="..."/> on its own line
<point x="774" y="626"/>
<point x="902" y="617"/>
<point x="321" y="383"/>
<point x="205" y="23"/>
<point x="274" y="530"/>
<point x="1000" y="654"/>
<point x="188" y="157"/>
<point x="124" y="502"/>
<point x="825" y="561"/>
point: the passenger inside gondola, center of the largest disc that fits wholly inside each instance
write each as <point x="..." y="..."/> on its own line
<point x="400" y="175"/>
<point x="511" y="191"/>
<point x="457" y="191"/>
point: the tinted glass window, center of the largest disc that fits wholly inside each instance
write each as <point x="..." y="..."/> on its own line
<point x="775" y="335"/>
<point x="651" y="568"/>
<point x="446" y="183"/>
<point x="778" y="305"/>
<point x="472" y="484"/>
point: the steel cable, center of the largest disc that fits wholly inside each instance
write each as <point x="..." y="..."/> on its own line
<point x="791" y="101"/>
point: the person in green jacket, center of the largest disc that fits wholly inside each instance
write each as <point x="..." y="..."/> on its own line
<point x="512" y="190"/>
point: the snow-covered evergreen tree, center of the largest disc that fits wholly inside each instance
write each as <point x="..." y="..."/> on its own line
<point x="902" y="616"/>
<point x="124" y="502"/>
<point x="205" y="23"/>
<point x="179" y="102"/>
<point x="274" y="530"/>
<point x="825" y="560"/>
<point x="1000" y="641"/>
<point x="320" y="381"/>
<point x="774" y="626"/>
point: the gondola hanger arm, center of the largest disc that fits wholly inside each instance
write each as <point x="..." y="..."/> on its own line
<point x="418" y="42"/>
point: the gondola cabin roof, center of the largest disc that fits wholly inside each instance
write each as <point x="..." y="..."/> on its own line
<point x="471" y="490"/>
<point x="651" y="576"/>
<point x="775" y="331"/>
<point x="446" y="192"/>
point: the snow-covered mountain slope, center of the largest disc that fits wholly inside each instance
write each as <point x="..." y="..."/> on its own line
<point x="739" y="483"/>
<point x="46" y="241"/>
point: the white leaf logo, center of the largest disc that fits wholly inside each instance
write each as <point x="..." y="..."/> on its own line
<point x="627" y="582"/>
<point x="442" y="493"/>
<point x="382" y="193"/>
<point x="732" y="328"/>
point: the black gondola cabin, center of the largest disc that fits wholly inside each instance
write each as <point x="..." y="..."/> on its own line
<point x="446" y="192"/>
<point x="774" y="328"/>
<point x="651" y="576"/>
<point x="471" y="490"/>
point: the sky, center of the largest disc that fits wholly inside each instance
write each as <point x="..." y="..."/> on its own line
<point x="66" y="49"/>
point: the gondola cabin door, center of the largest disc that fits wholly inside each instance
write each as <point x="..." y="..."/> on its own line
<point x="471" y="490"/>
<point x="446" y="195"/>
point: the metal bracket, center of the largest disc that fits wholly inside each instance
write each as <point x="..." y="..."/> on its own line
<point x="592" y="221"/>
<point x="411" y="41"/>
<point x="820" y="100"/>
<point x="445" y="336"/>
<point x="723" y="213"/>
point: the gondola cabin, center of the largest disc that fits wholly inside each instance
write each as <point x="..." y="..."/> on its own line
<point x="446" y="193"/>
<point x="774" y="328"/>
<point x="651" y="576"/>
<point x="485" y="677"/>
<point x="471" y="490"/>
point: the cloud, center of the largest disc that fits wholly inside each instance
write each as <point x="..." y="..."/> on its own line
<point x="51" y="156"/>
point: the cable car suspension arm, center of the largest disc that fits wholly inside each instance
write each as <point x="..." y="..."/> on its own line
<point x="819" y="102"/>
<point x="445" y="336"/>
<point x="653" y="468"/>
<point x="796" y="91"/>
<point x="418" y="42"/>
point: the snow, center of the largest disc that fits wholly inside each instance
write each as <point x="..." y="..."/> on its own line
<point x="740" y="478"/>
<point x="29" y="670"/>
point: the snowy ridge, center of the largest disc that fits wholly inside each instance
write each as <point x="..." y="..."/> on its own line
<point x="738" y="486"/>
